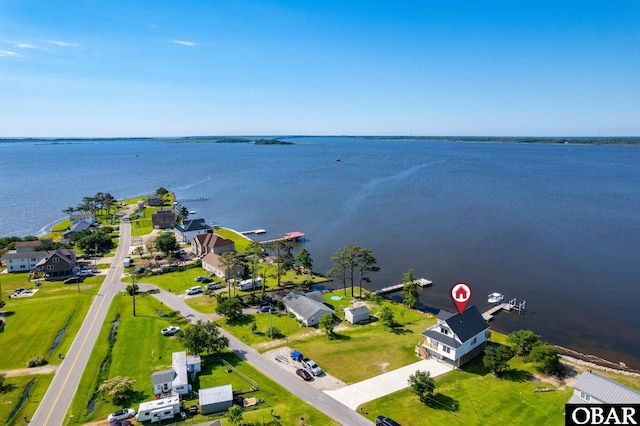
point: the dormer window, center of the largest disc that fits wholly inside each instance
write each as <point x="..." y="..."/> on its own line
<point x="585" y="396"/>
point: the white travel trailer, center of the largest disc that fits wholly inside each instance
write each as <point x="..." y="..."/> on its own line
<point x="248" y="284"/>
<point x="160" y="409"/>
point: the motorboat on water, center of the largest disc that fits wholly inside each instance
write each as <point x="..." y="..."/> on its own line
<point x="495" y="298"/>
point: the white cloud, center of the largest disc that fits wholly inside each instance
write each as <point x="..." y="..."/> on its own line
<point x="27" y="46"/>
<point x="185" y="43"/>
<point x="9" y="53"/>
<point x="61" y="43"/>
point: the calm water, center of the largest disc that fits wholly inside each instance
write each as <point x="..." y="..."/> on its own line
<point x="557" y="225"/>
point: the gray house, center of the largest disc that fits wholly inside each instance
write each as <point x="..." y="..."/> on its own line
<point x="592" y="388"/>
<point x="308" y="308"/>
<point x="215" y="400"/>
<point x="357" y="314"/>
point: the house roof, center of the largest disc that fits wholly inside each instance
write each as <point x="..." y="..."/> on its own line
<point x="304" y="306"/>
<point x="212" y="259"/>
<point x="605" y="389"/>
<point x="23" y="255"/>
<point x="162" y="376"/>
<point x="63" y="253"/>
<point x="447" y="340"/>
<point x="193" y="225"/>
<point x="213" y="240"/>
<point x="179" y="365"/>
<point x="79" y="226"/>
<point x="357" y="310"/>
<point x="23" y="244"/>
<point x="467" y="324"/>
<point x="215" y="395"/>
<point x="444" y="315"/>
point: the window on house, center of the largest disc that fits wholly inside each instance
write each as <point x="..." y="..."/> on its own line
<point x="446" y="349"/>
<point x="444" y="330"/>
<point x="49" y="267"/>
<point x="55" y="260"/>
<point x="475" y="339"/>
<point x="585" y="396"/>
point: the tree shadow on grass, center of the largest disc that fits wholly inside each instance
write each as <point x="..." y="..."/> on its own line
<point x="475" y="366"/>
<point x="241" y="320"/>
<point x="398" y="329"/>
<point x="441" y="401"/>
<point x="340" y="337"/>
<point x="515" y="375"/>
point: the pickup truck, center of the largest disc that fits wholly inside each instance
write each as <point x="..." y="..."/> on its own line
<point x="312" y="366"/>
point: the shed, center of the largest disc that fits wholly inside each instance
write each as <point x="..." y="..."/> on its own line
<point x="216" y="399"/>
<point x="357" y="314"/>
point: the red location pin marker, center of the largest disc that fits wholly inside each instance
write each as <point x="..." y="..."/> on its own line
<point x="461" y="293"/>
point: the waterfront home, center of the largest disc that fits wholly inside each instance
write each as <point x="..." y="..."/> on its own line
<point x="83" y="217"/>
<point x="212" y="264"/>
<point x="592" y="388"/>
<point x="189" y="229"/>
<point x="74" y="228"/>
<point x="455" y="338"/>
<point x="211" y="243"/>
<point x="307" y="308"/>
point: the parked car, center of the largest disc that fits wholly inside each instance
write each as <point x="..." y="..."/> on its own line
<point x="304" y="374"/>
<point x="194" y="290"/>
<point x="193" y="410"/>
<point x="170" y="331"/>
<point x="267" y="308"/>
<point x="73" y="280"/>
<point x="202" y="279"/>
<point x="297" y="356"/>
<point x="125" y="413"/>
<point x="140" y="270"/>
<point x="212" y="285"/>
<point x="312" y="366"/>
<point x="84" y="273"/>
<point x="386" y="421"/>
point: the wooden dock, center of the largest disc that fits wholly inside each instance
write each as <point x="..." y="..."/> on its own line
<point x="512" y="305"/>
<point x="422" y="282"/>
<point x="289" y="236"/>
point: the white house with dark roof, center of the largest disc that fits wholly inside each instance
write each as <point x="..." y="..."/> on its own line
<point x="25" y="257"/>
<point x="592" y="388"/>
<point x="189" y="229"/>
<point x="308" y="308"/>
<point x="455" y="338"/>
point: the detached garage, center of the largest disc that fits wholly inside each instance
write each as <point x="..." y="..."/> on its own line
<point x="357" y="314"/>
<point x="215" y="400"/>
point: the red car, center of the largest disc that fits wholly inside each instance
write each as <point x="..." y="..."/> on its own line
<point x="303" y="374"/>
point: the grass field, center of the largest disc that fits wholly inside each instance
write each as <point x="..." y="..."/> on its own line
<point x="481" y="399"/>
<point x="140" y="349"/>
<point x="34" y="328"/>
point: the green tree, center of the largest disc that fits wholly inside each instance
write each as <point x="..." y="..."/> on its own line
<point x="69" y="210"/>
<point x="182" y="215"/>
<point x="282" y="257"/>
<point x="346" y="263"/>
<point x="203" y="338"/>
<point x="547" y="358"/>
<point x="423" y="385"/>
<point x="496" y="360"/>
<point x="231" y="308"/>
<point x="386" y="316"/>
<point x="256" y="254"/>
<point x="326" y="324"/>
<point x="366" y="264"/>
<point x="234" y="414"/>
<point x="108" y="202"/>
<point x="167" y="244"/>
<point x="410" y="289"/>
<point x="120" y="389"/>
<point x="523" y="341"/>
<point x="161" y="192"/>
<point x="230" y="262"/>
<point x="304" y="258"/>
<point x="94" y="241"/>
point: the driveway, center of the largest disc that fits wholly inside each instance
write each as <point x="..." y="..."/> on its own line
<point x="367" y="390"/>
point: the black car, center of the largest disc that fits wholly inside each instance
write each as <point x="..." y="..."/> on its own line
<point x="267" y="308"/>
<point x="304" y="374"/>
<point x="73" y="280"/>
<point x="386" y="421"/>
<point x="193" y="410"/>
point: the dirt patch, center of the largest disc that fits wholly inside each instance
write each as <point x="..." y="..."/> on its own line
<point x="282" y="358"/>
<point x="383" y="366"/>
<point x="43" y="369"/>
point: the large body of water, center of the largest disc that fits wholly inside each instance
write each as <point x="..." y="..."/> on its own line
<point x="556" y="225"/>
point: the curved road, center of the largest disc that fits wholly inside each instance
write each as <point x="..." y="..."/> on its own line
<point x="56" y="402"/>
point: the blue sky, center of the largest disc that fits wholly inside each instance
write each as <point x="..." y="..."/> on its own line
<point x="171" y="68"/>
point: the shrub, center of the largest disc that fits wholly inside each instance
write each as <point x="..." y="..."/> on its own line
<point x="36" y="361"/>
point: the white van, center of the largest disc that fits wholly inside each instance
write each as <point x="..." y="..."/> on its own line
<point x="126" y="262"/>
<point x="194" y="290"/>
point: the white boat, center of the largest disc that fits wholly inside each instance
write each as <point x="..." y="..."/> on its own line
<point x="192" y="212"/>
<point x="495" y="298"/>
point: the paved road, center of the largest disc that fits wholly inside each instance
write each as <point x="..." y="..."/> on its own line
<point x="56" y="401"/>
<point x="316" y="398"/>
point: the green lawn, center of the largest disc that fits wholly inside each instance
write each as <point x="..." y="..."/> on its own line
<point x="241" y="242"/>
<point x="14" y="390"/>
<point x="140" y="349"/>
<point x="482" y="399"/>
<point x="36" y="321"/>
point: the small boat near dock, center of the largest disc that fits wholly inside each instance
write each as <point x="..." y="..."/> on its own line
<point x="495" y="298"/>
